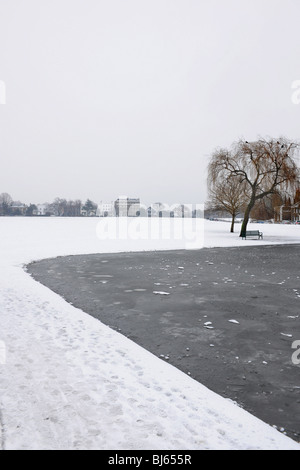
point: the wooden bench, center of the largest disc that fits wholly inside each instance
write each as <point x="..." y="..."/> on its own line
<point x="253" y="233"/>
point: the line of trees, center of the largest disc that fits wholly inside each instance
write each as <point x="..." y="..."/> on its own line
<point x="59" y="207"/>
<point x="250" y="173"/>
<point x="5" y="203"/>
<point x="64" y="208"/>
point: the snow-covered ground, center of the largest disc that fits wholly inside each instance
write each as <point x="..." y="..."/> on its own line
<point x="69" y="382"/>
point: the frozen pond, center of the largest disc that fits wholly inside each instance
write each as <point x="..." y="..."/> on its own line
<point x="225" y="316"/>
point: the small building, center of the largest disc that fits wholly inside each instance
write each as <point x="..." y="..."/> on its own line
<point x="84" y="212"/>
<point x="42" y="209"/>
<point x="18" y="208"/>
<point x="287" y="213"/>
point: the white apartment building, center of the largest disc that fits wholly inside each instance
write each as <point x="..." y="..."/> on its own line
<point x="106" y="209"/>
<point x="42" y="209"/>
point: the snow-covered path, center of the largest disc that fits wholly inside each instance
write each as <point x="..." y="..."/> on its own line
<point x="70" y="382"/>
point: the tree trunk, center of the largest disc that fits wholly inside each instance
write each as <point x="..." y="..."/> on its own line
<point x="247" y="217"/>
<point x="232" y="223"/>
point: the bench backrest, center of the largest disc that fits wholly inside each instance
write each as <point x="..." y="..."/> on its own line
<point x="253" y="232"/>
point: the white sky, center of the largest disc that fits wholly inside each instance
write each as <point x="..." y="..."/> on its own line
<point x="110" y="97"/>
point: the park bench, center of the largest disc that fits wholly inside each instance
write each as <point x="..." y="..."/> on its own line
<point x="253" y="233"/>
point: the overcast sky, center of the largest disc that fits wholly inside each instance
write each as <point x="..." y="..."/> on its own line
<point x="113" y="97"/>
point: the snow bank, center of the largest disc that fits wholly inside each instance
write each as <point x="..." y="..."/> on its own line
<point x="70" y="382"/>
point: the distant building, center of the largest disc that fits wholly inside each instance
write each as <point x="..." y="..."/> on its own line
<point x="282" y="213"/>
<point x="296" y="212"/>
<point x="106" y="209"/>
<point x="158" y="209"/>
<point x="42" y="209"/>
<point x="85" y="212"/>
<point x="89" y="209"/>
<point x="18" y="208"/>
<point x="127" y="207"/>
<point x="287" y="213"/>
<point x="181" y="210"/>
<point x="121" y="206"/>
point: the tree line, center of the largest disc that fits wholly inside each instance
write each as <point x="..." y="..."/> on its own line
<point x="59" y="207"/>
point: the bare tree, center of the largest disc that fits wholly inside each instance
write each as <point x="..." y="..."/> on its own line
<point x="58" y="207"/>
<point x="77" y="204"/>
<point x="72" y="208"/>
<point x="5" y="203"/>
<point x="227" y="194"/>
<point x="264" y="167"/>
